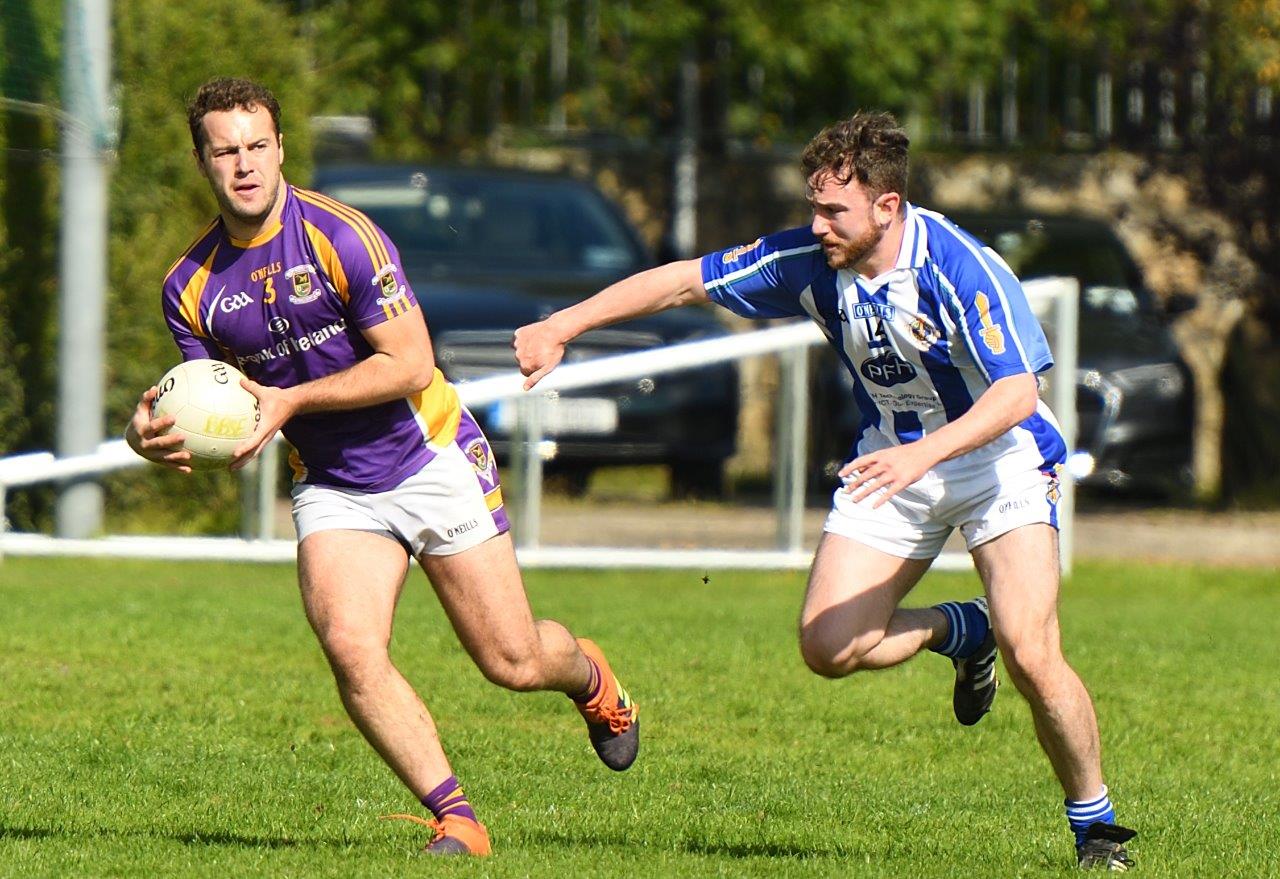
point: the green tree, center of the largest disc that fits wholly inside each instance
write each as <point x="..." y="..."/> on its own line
<point x="28" y="280"/>
<point x="159" y="202"/>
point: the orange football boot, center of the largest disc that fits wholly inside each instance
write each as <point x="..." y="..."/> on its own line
<point x="613" y="719"/>
<point x="454" y="835"/>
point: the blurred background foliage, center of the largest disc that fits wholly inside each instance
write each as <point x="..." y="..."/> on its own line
<point x="452" y="79"/>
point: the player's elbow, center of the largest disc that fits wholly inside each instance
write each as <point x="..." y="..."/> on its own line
<point x="680" y="283"/>
<point x="1021" y="397"/>
<point x="1026" y="406"/>
<point x="418" y="372"/>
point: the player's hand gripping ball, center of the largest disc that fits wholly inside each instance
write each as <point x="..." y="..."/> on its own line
<point x="210" y="409"/>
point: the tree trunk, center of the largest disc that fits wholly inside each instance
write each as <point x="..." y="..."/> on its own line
<point x="1203" y="337"/>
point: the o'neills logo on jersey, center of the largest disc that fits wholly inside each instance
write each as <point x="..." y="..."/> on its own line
<point x="738" y="251"/>
<point x="863" y="310"/>
<point x="303" y="290"/>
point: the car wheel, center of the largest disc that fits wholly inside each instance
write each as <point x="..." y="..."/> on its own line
<point x="697" y="479"/>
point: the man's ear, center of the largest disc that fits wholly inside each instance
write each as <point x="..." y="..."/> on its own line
<point x="280" y="143"/>
<point x="195" y="154"/>
<point x="890" y="203"/>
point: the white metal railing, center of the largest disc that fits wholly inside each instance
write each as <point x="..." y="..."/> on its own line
<point x="790" y="341"/>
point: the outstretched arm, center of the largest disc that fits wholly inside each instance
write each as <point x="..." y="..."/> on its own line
<point x="539" y="347"/>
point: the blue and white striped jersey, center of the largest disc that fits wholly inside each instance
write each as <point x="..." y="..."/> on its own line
<point x="922" y="341"/>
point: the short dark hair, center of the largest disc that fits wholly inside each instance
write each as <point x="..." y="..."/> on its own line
<point x="871" y="147"/>
<point x="226" y="93"/>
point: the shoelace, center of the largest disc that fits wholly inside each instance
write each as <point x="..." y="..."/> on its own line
<point x="436" y="826"/>
<point x="619" y="719"/>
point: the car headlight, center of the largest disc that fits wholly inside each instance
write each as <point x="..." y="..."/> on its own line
<point x="1163" y="380"/>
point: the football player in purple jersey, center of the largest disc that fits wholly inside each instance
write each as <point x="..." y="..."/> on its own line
<point x="306" y="296"/>
<point x="943" y="353"/>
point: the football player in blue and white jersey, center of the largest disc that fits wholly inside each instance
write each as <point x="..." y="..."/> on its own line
<point x="944" y="352"/>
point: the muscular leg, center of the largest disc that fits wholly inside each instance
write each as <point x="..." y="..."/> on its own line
<point x="350" y="583"/>
<point x="851" y="619"/>
<point x="483" y="595"/>
<point x="1020" y="571"/>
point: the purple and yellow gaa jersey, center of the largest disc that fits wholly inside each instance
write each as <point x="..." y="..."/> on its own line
<point x="288" y="307"/>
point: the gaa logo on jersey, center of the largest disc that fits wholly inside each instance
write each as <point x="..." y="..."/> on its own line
<point x="304" y="290"/>
<point x="925" y="333"/>
<point x="887" y="370"/>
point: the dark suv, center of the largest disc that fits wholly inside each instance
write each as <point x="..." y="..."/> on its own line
<point x="1133" y="391"/>
<point x="488" y="250"/>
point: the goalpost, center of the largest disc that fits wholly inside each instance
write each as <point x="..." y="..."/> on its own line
<point x="1055" y="300"/>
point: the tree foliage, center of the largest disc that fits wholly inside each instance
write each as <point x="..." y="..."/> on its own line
<point x="445" y="77"/>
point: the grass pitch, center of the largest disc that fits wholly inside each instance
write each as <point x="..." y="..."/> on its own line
<point x="163" y="719"/>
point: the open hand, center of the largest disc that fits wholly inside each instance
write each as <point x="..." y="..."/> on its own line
<point x="885" y="472"/>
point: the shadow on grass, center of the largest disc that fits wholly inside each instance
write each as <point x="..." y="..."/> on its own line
<point x="29" y="833"/>
<point x="236" y="839"/>
<point x="189" y="838"/>
<point x="762" y="849"/>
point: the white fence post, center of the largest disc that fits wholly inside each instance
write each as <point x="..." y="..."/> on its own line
<point x="793" y="443"/>
<point x="268" y="473"/>
<point x="526" y="451"/>
<point x="1066" y="308"/>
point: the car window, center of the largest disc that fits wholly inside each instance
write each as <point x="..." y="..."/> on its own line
<point x="1111" y="291"/>
<point x="496" y="223"/>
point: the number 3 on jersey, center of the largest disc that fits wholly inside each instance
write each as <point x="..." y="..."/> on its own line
<point x="269" y="290"/>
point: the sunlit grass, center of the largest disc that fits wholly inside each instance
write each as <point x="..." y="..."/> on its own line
<point x="164" y="719"/>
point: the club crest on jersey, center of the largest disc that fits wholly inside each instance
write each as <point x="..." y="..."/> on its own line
<point x="993" y="338"/>
<point x="481" y="460"/>
<point x="389" y="284"/>
<point x="926" y="335"/>
<point x="992" y="335"/>
<point x="731" y="255"/>
<point x="887" y="370"/>
<point x="303" y="290"/>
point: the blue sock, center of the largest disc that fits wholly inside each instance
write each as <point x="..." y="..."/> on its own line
<point x="967" y="627"/>
<point x="1082" y="813"/>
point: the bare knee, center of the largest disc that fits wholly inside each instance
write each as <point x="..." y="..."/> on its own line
<point x="358" y="660"/>
<point x="1036" y="668"/>
<point x="833" y="654"/>
<point x="519" y="670"/>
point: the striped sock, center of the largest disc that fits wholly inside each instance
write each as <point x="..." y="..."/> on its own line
<point x="448" y="799"/>
<point x="1082" y="813"/>
<point x="593" y="685"/>
<point x="966" y="628"/>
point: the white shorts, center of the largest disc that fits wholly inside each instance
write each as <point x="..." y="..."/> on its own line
<point x="916" y="522"/>
<point x="450" y="505"/>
